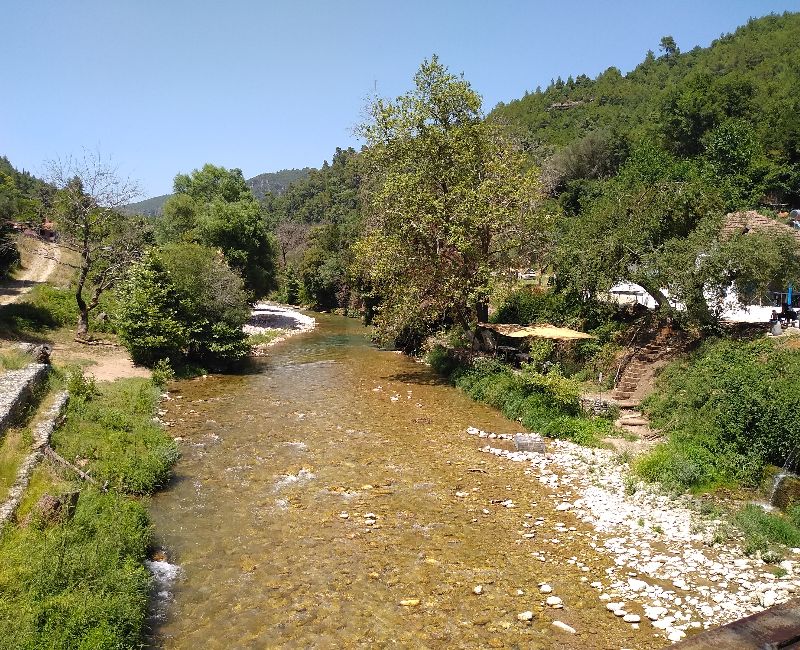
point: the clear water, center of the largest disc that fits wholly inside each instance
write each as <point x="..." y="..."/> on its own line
<point x="329" y="425"/>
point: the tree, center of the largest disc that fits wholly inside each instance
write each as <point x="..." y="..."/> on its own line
<point x="450" y="204"/>
<point x="668" y="46"/>
<point x="213" y="206"/>
<point x="183" y="302"/>
<point x="90" y="193"/>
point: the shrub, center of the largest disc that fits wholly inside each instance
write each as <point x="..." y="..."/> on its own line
<point x="730" y="409"/>
<point x="546" y="403"/>
<point x="183" y="302"/>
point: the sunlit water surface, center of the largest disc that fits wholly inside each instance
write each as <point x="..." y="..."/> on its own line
<point x="327" y="425"/>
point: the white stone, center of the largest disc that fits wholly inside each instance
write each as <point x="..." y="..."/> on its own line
<point x="561" y="507"/>
<point x="620" y="612"/>
<point x="675" y="635"/>
<point x="545" y="588"/>
<point x="478" y="590"/>
<point x="553" y="601"/>
<point x="707" y="611"/>
<point x="564" y="627"/>
<point x="525" y="616"/>
<point x="631" y="618"/>
<point x="637" y="585"/>
<point x="768" y="598"/>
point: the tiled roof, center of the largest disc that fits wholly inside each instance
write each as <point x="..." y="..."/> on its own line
<point x="752" y="221"/>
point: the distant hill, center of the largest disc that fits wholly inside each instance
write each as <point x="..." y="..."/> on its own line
<point x="275" y="182"/>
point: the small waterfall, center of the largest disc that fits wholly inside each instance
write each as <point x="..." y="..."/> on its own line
<point x="776" y="483"/>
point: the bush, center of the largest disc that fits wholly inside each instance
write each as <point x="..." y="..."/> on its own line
<point x="546" y="403"/>
<point x="184" y="303"/>
<point x="730" y="409"/>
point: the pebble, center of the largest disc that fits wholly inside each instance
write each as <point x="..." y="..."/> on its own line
<point x="564" y="627"/>
<point x="410" y="602"/>
<point x="525" y="616"/>
<point x="631" y="618"/>
<point x="344" y="515"/>
<point x="477" y="590"/>
<point x="545" y="588"/>
<point x="554" y="601"/>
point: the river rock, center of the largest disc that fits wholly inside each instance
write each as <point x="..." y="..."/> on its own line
<point x="545" y="588"/>
<point x="563" y="627"/>
<point x="553" y="601"/>
<point x="637" y="585"/>
<point x="525" y="616"/>
<point x="767" y="599"/>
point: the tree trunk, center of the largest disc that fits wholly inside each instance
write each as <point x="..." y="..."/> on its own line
<point x="482" y="311"/>
<point x="82" y="331"/>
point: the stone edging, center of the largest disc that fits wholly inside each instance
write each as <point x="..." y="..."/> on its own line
<point x="16" y="389"/>
<point x="41" y="438"/>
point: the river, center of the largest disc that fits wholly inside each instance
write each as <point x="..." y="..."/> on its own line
<point x="317" y="494"/>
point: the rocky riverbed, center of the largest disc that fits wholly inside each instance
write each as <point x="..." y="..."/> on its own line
<point x="282" y="320"/>
<point x="670" y="570"/>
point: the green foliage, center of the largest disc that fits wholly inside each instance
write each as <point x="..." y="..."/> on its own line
<point x="732" y="408"/>
<point x="213" y="206"/>
<point x="115" y="432"/>
<point x="449" y="201"/>
<point x="162" y="373"/>
<point x="81" y="388"/>
<point x="183" y="302"/>
<point x="761" y="529"/>
<point x="79" y="584"/>
<point x="546" y="403"/>
<point x="316" y="222"/>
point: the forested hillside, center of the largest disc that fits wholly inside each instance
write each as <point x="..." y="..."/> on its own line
<point x="744" y="88"/>
<point x="635" y="174"/>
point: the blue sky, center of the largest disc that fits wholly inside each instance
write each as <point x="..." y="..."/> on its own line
<point x="163" y="86"/>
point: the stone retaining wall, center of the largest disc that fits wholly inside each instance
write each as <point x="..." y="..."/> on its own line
<point x="41" y="438"/>
<point x="16" y="390"/>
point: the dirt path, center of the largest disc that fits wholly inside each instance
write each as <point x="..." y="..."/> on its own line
<point x="37" y="268"/>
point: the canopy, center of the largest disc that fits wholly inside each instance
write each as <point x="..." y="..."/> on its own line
<point x="543" y="331"/>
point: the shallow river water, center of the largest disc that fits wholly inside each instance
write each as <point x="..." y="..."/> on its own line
<point x="266" y="516"/>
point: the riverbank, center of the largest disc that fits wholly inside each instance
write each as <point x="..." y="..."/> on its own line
<point x="271" y="322"/>
<point x="674" y="568"/>
<point x="73" y="562"/>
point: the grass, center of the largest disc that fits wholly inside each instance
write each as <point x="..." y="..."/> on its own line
<point x="262" y="338"/>
<point x="545" y="403"/>
<point x="14" y="359"/>
<point x="80" y="583"/>
<point x="113" y="434"/>
<point x="762" y="530"/>
<point x="14" y="447"/>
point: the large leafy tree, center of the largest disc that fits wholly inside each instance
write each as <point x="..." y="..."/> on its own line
<point x="450" y="205"/>
<point x="213" y="206"/>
